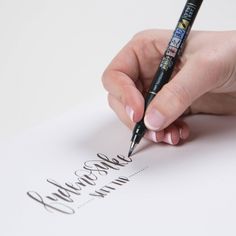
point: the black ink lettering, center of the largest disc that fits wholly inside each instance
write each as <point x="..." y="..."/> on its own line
<point x="90" y="177"/>
<point x="98" y="194"/>
<point x="115" y="182"/>
<point x="123" y="179"/>
<point x="120" y="181"/>
<point x="55" y="207"/>
<point x="69" y="191"/>
<point x="70" y="185"/>
<point x="52" y="198"/>
<point x="79" y="183"/>
<point x="109" y="187"/>
<point x="124" y="158"/>
<point x="53" y="182"/>
<point x="105" y="190"/>
<point x="112" y="161"/>
<point x="62" y="194"/>
<point x="95" y="167"/>
<point x="88" y="182"/>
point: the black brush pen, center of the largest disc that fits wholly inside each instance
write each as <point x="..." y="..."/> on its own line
<point x="168" y="62"/>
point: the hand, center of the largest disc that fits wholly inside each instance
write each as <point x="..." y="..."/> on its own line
<point x="204" y="81"/>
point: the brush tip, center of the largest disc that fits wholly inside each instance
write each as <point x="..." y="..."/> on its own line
<point x="130" y="153"/>
<point x="132" y="146"/>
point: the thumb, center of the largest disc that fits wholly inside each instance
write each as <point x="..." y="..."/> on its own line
<point x="193" y="80"/>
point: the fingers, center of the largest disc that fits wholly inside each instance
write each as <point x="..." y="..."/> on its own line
<point x="131" y="71"/>
<point x="173" y="134"/>
<point x="120" y="111"/>
<point x="120" y="79"/>
<point x="123" y="89"/>
<point x="192" y="81"/>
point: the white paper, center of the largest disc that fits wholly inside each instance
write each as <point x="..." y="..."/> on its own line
<point x="189" y="189"/>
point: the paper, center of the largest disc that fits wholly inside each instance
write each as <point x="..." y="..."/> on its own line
<point x="72" y="176"/>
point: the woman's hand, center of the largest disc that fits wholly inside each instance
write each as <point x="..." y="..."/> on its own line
<point x="204" y="81"/>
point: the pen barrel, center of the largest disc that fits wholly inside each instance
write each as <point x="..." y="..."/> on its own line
<point x="139" y="131"/>
<point x="175" y="46"/>
<point x="169" y="59"/>
<point x="196" y="2"/>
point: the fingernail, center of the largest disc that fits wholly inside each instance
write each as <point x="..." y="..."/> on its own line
<point x="152" y="136"/>
<point x="130" y="112"/>
<point x="181" y="133"/>
<point x="168" y="138"/>
<point x="154" y="120"/>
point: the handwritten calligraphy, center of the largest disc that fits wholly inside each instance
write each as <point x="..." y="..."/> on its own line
<point x="68" y="194"/>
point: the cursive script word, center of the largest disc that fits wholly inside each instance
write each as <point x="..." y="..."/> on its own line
<point x="106" y="189"/>
<point x="66" y="194"/>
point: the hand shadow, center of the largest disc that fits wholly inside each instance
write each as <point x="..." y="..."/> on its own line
<point x="113" y="135"/>
<point x="211" y="126"/>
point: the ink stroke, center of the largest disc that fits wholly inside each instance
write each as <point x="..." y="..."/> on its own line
<point x="68" y="197"/>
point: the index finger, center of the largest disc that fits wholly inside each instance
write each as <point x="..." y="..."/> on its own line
<point x="120" y="79"/>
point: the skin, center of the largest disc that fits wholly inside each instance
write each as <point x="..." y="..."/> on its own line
<point x="204" y="81"/>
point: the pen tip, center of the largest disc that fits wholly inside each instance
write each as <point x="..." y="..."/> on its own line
<point x="130" y="152"/>
<point x="132" y="146"/>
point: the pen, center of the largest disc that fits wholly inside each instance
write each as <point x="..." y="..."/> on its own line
<point x="167" y="63"/>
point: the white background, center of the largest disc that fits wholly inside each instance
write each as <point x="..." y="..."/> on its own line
<point x="52" y="53"/>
